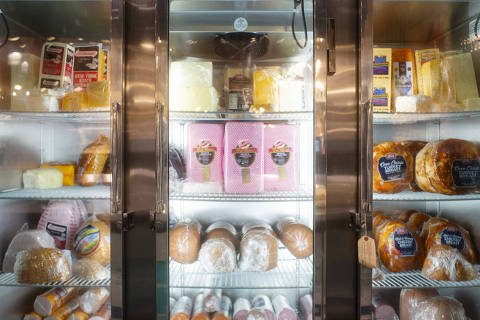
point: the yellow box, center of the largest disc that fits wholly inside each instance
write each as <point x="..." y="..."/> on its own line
<point x="382" y="97"/>
<point x="428" y="72"/>
<point x="67" y="169"/>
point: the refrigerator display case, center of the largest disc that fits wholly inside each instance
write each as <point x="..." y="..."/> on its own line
<point x="60" y="171"/>
<point x="423" y="77"/>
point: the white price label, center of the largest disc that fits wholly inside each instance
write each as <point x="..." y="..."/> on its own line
<point x="240" y="24"/>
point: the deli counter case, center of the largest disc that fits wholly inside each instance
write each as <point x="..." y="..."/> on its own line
<point x="250" y="159"/>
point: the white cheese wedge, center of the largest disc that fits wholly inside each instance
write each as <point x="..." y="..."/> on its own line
<point x="42" y="178"/>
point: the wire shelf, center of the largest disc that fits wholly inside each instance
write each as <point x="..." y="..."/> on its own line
<point x="300" y="195"/>
<point x="227" y="116"/>
<point x="412" y="117"/>
<point x="74" y="192"/>
<point x="9" y="279"/>
<point x="423" y="196"/>
<point x="289" y="273"/>
<point x="415" y="279"/>
<point x="96" y="116"/>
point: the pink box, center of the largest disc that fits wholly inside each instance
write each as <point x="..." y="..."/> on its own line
<point x="205" y="152"/>
<point x="243" y="166"/>
<point x="281" y="168"/>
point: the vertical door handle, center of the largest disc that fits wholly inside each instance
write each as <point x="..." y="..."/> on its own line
<point x="161" y="153"/>
<point x="331" y="54"/>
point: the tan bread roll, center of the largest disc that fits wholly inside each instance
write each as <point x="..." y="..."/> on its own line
<point x="42" y="265"/>
<point x="414" y="148"/>
<point x="446" y="263"/>
<point x="184" y="241"/>
<point x="440" y="308"/>
<point x="223" y="230"/>
<point x="298" y="238"/>
<point x="92" y="241"/>
<point x="410" y="299"/>
<point x="258" y="249"/>
<point x="416" y="221"/>
<point x="421" y="174"/>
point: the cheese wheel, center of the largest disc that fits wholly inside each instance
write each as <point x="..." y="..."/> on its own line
<point x="399" y="248"/>
<point x="258" y="250"/>
<point x="446" y="263"/>
<point x="298" y="238"/>
<point x="184" y="241"/>
<point x="416" y="221"/>
<point x="410" y="299"/>
<point x="439" y="308"/>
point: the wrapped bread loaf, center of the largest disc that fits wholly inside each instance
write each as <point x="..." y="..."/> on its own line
<point x="453" y="235"/>
<point x="92" y="241"/>
<point x="411" y="298"/>
<point x="414" y="148"/>
<point x="404" y="215"/>
<point x="184" y="241"/>
<point x="258" y="248"/>
<point x="89" y="269"/>
<point x="92" y="161"/>
<point x="439" y="308"/>
<point x="429" y="223"/>
<point x="393" y="168"/>
<point x="416" y="221"/>
<point x="297" y="237"/>
<point x="399" y="248"/>
<point x="446" y="263"/>
<point x="43" y="265"/>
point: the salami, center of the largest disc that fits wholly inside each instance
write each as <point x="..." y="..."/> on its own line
<point x="182" y="309"/>
<point x="225" y="309"/>
<point x="199" y="311"/>
<point x="263" y="302"/>
<point x="283" y="310"/>
<point x="241" y="309"/>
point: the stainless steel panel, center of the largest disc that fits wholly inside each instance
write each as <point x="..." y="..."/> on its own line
<point x="139" y="179"/>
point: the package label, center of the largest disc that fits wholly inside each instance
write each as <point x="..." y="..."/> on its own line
<point x="244" y="153"/>
<point x="402" y="243"/>
<point x="403" y="78"/>
<point x="380" y="97"/>
<point x="49" y="83"/>
<point x="205" y="152"/>
<point x="87" y="240"/>
<point x="69" y="66"/>
<point x="466" y="172"/>
<point x="380" y="65"/>
<point x="87" y="65"/>
<point x="452" y="237"/>
<point x="59" y="234"/>
<point x="392" y="167"/>
<point x="53" y="60"/>
<point x="280" y="153"/>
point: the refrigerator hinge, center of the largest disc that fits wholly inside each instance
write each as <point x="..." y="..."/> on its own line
<point x="125" y="221"/>
<point x="156" y="217"/>
<point x="355" y="221"/>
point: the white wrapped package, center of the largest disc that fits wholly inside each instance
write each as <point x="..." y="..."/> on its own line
<point x="46" y="303"/>
<point x="258" y="248"/>
<point x="218" y="256"/>
<point x="40" y="100"/>
<point x="43" y="178"/>
<point x="92" y="300"/>
<point x="282" y="308"/>
<point x="26" y="240"/>
<point x="416" y="103"/>
<point x="241" y="308"/>
<point x="306" y="306"/>
<point x="104" y="313"/>
<point x="446" y="263"/>
<point x="291" y="96"/>
<point x="439" y="308"/>
<point x="191" y="74"/>
<point x="199" y="99"/>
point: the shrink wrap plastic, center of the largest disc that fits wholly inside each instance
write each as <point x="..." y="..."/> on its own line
<point x="182" y="309"/>
<point x="26" y="240"/>
<point x="217" y="253"/>
<point x="92" y="241"/>
<point x="241" y="308"/>
<point x="43" y="265"/>
<point x="98" y="95"/>
<point x="32" y="316"/>
<point x="439" y="308"/>
<point x="306" y="306"/>
<point x="199" y="310"/>
<point x="42" y="178"/>
<point x="225" y="309"/>
<point x="393" y="168"/>
<point x="283" y="310"/>
<point x="46" y="303"/>
<point x="213" y="300"/>
<point x="410" y="298"/>
<point x="258" y="248"/>
<point x="92" y="300"/>
<point x="92" y="161"/>
<point x="446" y="263"/>
<point x="298" y="238"/>
<point x="104" y="313"/>
<point x="89" y="269"/>
<point x="416" y="221"/>
<point x="266" y="89"/>
<point x="65" y="310"/>
<point x="383" y="310"/>
<point x="413" y="148"/>
<point x="262" y="302"/>
<point x="184" y="241"/>
<point x="79" y="315"/>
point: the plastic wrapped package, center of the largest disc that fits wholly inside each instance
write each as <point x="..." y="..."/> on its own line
<point x="218" y="253"/>
<point x="88" y="269"/>
<point x="428" y="72"/>
<point x="464" y="81"/>
<point x="48" y="302"/>
<point x="92" y="300"/>
<point x="78" y="315"/>
<point x="32" y="316"/>
<point x="378" y="222"/>
<point x="382" y="309"/>
<point x="257" y="314"/>
<point x="35" y="100"/>
<point x="199" y="310"/>
<point x="404" y="215"/>
<point x="306" y="306"/>
<point x="201" y="187"/>
<point x="263" y="303"/>
<point x="104" y="313"/>
<point x="221" y="229"/>
<point x="399" y="248"/>
<point x="42" y="178"/>
<point x="449" y="167"/>
<point x="225" y="309"/>
<point x="56" y="68"/>
<point x="414" y="148"/>
<point x="241" y="308"/>
<point x="205" y="152"/>
<point x="25" y="240"/>
<point x="453" y="235"/>
<point x="171" y="304"/>
<point x="76" y="100"/>
<point x="417" y="103"/>
<point x="392" y="168"/>
<point x="291" y="96"/>
<point x="416" y="221"/>
<point x="446" y="263"/>
<point x="184" y="241"/>
<point x="177" y="171"/>
<point x="43" y="265"/>
<point x="280" y="153"/>
<point x="92" y="241"/>
<point x="61" y="220"/>
<point x="237" y="89"/>
<point x="439" y="308"/>
<point x="92" y="161"/>
<point x="67" y="169"/>
<point x="191" y="73"/>
<point x="265" y="89"/>
<point x="258" y="249"/>
<point x="428" y="224"/>
<point x="213" y="300"/>
<point x="297" y="237"/>
<point x="404" y="73"/>
<point x="283" y="310"/>
<point x="244" y="161"/>
<point x="65" y="310"/>
<point x="471" y="104"/>
<point x="182" y="309"/>
<point x="98" y="95"/>
<point x="410" y="298"/>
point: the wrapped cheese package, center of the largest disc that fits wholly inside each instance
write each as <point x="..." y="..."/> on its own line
<point x="440" y="308"/>
<point x="26" y="240"/>
<point x="76" y="100"/>
<point x="258" y="249"/>
<point x="446" y="263"/>
<point x="46" y="303"/>
<point x="42" y="178"/>
<point x="404" y="73"/>
<point x="37" y="100"/>
<point x="280" y="153"/>
<point x="98" y="95"/>
<point x="265" y="89"/>
<point x="205" y="152"/>
<point x="244" y="161"/>
<point x="465" y="82"/>
<point x="297" y="237"/>
<point x="428" y="72"/>
<point x="92" y="241"/>
<point x="43" y="265"/>
<point x="68" y="170"/>
<point x="410" y="298"/>
<point x="184" y="241"/>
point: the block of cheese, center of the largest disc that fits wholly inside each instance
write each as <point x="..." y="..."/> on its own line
<point x="191" y="74"/>
<point x="265" y="89"/>
<point x="75" y="101"/>
<point x="381" y="95"/>
<point x="193" y="98"/>
<point x="465" y="81"/>
<point x="382" y="63"/>
<point x="428" y="72"/>
<point x="416" y="103"/>
<point x="43" y="178"/>
<point x="291" y="95"/>
<point x="67" y="169"/>
<point x="98" y="95"/>
<point x="42" y="100"/>
<point x="404" y="73"/>
<point x="472" y="104"/>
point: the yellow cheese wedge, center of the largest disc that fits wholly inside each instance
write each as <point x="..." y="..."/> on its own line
<point x="67" y="169"/>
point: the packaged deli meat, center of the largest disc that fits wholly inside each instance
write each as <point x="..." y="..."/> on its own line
<point x="89" y="269"/>
<point x="241" y="307"/>
<point x="416" y="221"/>
<point x="32" y="316"/>
<point x="257" y="314"/>
<point x="453" y="235"/>
<point x="184" y="241"/>
<point x="222" y="230"/>
<point x="430" y="223"/>
<point x="225" y="310"/>
<point x="182" y="309"/>
<point x="297" y="237"/>
<point x="263" y="302"/>
<point x="405" y="215"/>
<point x="65" y="310"/>
<point x="92" y="241"/>
<point x="306" y="306"/>
<point x="446" y="263"/>
<point x="393" y="167"/>
<point x="171" y="304"/>
<point x="378" y="223"/>
<point x="439" y="308"/>
<point x="199" y="310"/>
<point x="46" y="303"/>
<point x="283" y="310"/>
<point x="56" y="69"/>
<point x="410" y="298"/>
<point x="104" y="313"/>
<point x="399" y="248"/>
<point x="258" y="249"/>
<point x="25" y="240"/>
<point x="93" y="161"/>
<point x="414" y="148"/>
<point x="42" y="265"/>
<point x="218" y="255"/>
<point x="213" y="300"/>
<point x="382" y="309"/>
<point x="93" y="299"/>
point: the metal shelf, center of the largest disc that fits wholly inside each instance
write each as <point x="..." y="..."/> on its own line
<point x="9" y="280"/>
<point x="300" y="195"/>
<point x="415" y="279"/>
<point x="227" y="116"/>
<point x="74" y="192"/>
<point x="411" y="117"/>
<point x="100" y="116"/>
<point x="289" y="273"/>
<point x="423" y="196"/>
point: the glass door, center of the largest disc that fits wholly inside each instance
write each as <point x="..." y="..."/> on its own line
<point x="426" y="162"/>
<point x="57" y="62"/>
<point x="241" y="160"/>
